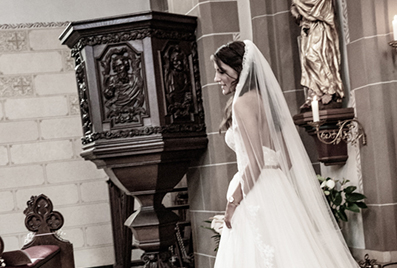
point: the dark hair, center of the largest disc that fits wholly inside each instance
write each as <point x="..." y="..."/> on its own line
<point x="231" y="54"/>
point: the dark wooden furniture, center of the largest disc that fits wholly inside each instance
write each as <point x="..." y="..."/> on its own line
<point x="142" y="116"/>
<point x="46" y="249"/>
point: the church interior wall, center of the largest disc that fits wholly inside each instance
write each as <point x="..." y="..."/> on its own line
<point x="41" y="128"/>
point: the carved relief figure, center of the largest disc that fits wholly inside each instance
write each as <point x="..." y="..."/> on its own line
<point x="319" y="52"/>
<point x="123" y="86"/>
<point x="177" y="83"/>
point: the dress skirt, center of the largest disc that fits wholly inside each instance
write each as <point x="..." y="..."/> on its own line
<point x="270" y="229"/>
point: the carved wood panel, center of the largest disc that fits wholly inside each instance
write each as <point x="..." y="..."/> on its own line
<point x="122" y="86"/>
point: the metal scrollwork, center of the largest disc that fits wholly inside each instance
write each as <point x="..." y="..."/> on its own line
<point x="349" y="131"/>
<point x="157" y="259"/>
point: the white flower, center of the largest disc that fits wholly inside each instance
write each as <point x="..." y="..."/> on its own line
<point x="217" y="223"/>
<point x="330" y="184"/>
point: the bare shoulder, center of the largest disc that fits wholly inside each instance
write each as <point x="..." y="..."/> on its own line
<point x="248" y="101"/>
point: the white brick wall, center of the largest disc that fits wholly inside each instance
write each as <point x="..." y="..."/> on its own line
<point x="28" y="63"/>
<point x="36" y="107"/>
<point x="40" y="132"/>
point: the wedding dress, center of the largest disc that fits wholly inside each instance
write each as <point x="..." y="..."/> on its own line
<point x="283" y="220"/>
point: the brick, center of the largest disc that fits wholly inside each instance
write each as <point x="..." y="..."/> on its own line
<point x="94" y="191"/>
<point x="73" y="171"/>
<point x="16" y="176"/>
<point x="86" y="214"/>
<point x="57" y="83"/>
<point x="61" y="127"/>
<point x="59" y="195"/>
<point x="41" y="152"/>
<point x="77" y="147"/>
<point x="3" y="156"/>
<point x="10" y="242"/>
<point x="12" y="223"/>
<point x="42" y="39"/>
<point x="74" y="235"/>
<point x="99" y="235"/>
<point x="18" y="131"/>
<point x="27" y="63"/>
<point x="90" y="257"/>
<point x="36" y="107"/>
<point x="6" y="201"/>
<point x="1" y="111"/>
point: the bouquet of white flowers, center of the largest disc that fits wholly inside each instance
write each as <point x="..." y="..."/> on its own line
<point x="216" y="227"/>
<point x="341" y="197"/>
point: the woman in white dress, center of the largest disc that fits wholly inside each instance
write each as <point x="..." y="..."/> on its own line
<point x="276" y="215"/>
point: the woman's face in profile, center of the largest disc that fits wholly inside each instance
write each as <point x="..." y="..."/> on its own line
<point x="225" y="76"/>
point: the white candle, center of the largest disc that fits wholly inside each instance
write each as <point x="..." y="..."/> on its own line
<point x="315" y="111"/>
<point x="395" y="27"/>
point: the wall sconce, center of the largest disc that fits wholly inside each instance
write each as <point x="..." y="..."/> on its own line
<point x="394" y="42"/>
<point x="350" y="131"/>
<point x="328" y="128"/>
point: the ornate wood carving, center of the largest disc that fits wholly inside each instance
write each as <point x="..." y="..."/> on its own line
<point x="178" y="87"/>
<point x="123" y="86"/>
<point x="40" y="215"/>
<point x="44" y="221"/>
<point x="135" y="63"/>
<point x="82" y="89"/>
<point x="117" y="37"/>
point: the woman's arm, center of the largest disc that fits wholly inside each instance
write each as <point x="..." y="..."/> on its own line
<point x="248" y="111"/>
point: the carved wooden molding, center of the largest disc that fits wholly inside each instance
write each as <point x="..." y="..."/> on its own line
<point x="139" y="34"/>
<point x="145" y="131"/>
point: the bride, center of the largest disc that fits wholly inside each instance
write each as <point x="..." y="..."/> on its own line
<point x="276" y="215"/>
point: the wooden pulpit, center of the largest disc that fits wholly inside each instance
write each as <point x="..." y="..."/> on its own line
<point x="142" y="115"/>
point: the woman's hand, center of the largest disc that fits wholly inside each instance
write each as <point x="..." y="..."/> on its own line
<point x="230" y="208"/>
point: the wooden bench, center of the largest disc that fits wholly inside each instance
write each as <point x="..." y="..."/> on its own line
<point x="46" y="249"/>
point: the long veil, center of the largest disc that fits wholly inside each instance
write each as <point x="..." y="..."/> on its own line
<point x="264" y="124"/>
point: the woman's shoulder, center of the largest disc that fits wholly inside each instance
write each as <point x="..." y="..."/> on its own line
<point x="248" y="100"/>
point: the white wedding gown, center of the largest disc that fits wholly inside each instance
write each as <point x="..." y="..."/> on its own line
<point x="270" y="227"/>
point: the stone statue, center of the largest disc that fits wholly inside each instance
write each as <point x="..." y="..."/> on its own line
<point x="319" y="52"/>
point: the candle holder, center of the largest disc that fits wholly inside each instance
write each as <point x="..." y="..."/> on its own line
<point x="350" y="131"/>
<point x="333" y="126"/>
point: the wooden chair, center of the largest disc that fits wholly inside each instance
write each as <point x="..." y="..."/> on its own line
<point x="46" y="249"/>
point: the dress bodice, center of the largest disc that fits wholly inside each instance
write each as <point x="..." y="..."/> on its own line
<point x="233" y="140"/>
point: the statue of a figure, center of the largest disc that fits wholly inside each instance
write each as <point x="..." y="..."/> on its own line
<point x="319" y="52"/>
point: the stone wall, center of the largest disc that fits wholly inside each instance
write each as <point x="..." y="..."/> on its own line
<point x="40" y="126"/>
<point x="40" y="143"/>
<point x="373" y="81"/>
